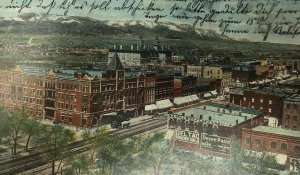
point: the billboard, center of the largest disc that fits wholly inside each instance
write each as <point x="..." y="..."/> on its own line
<point x="188" y="136"/>
<point x="215" y="143"/>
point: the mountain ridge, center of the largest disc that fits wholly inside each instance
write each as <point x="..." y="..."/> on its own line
<point x="50" y="24"/>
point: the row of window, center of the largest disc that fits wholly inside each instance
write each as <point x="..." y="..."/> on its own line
<point x="295" y="118"/>
<point x="261" y="100"/>
<point x="274" y="145"/>
<point x="66" y="106"/>
<point x="288" y="106"/>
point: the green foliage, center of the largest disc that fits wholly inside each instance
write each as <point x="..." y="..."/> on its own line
<point x="254" y="163"/>
<point x="54" y="140"/>
<point x="78" y="164"/>
<point x="153" y="152"/>
<point x="115" y="156"/>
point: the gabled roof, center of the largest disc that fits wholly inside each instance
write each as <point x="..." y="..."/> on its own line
<point x="115" y="63"/>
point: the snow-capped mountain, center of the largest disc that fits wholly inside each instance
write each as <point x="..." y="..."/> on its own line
<point x="49" y="24"/>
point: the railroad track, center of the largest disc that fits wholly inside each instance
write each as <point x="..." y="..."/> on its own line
<point x="40" y="159"/>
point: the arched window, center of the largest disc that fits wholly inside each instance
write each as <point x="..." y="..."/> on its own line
<point x="215" y="129"/>
<point x="273" y="145"/>
<point x="283" y="146"/>
<point x="204" y="127"/>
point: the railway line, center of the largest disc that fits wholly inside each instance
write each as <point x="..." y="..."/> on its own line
<point x="39" y="159"/>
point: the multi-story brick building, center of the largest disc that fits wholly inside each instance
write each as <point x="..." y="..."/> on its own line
<point x="23" y="90"/>
<point x="284" y="143"/>
<point x="243" y="73"/>
<point x="268" y="99"/>
<point x="164" y="87"/>
<point x="184" y="86"/>
<point x="291" y="112"/>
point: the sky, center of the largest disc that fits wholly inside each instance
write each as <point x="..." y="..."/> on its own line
<point x="273" y="12"/>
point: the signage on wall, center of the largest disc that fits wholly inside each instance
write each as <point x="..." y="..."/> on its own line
<point x="215" y="143"/>
<point x="188" y="136"/>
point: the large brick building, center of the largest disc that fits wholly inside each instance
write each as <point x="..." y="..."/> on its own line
<point x="210" y="127"/>
<point x="291" y="112"/>
<point x="84" y="98"/>
<point x="243" y="73"/>
<point x="268" y="99"/>
<point x="284" y="143"/>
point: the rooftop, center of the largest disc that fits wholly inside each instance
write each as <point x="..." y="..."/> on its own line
<point x="221" y="113"/>
<point x="278" y="131"/>
<point x="293" y="98"/>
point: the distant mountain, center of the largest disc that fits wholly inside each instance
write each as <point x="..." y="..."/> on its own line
<point x="32" y="23"/>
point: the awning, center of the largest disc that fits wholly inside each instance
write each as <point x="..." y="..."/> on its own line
<point x="194" y="97"/>
<point x="207" y="95"/>
<point x="150" y="107"/>
<point x="179" y="100"/>
<point x="214" y="92"/>
<point x="110" y="114"/>
<point x="260" y="82"/>
<point x="164" y="104"/>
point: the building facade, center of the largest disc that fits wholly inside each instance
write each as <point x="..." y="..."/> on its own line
<point x="284" y="143"/>
<point x="291" y="112"/>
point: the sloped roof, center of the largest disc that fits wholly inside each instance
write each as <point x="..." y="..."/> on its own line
<point x="115" y="63"/>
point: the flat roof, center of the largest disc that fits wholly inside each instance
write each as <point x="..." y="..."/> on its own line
<point x="278" y="131"/>
<point x="221" y="113"/>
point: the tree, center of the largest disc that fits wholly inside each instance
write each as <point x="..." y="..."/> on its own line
<point x="15" y="123"/>
<point x="31" y="127"/>
<point x="196" y="164"/>
<point x="4" y="128"/>
<point x="77" y="164"/>
<point x="115" y="156"/>
<point x="253" y="163"/>
<point x="54" y="140"/>
<point x="153" y="152"/>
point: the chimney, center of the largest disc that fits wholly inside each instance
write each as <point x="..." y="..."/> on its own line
<point x="237" y="121"/>
<point x="201" y="117"/>
<point x="209" y="118"/>
<point x="246" y="118"/>
<point x="192" y="115"/>
<point x="183" y="114"/>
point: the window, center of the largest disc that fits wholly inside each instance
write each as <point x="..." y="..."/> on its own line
<point x="273" y="145"/>
<point x="248" y="140"/>
<point x="295" y="106"/>
<point x="287" y="117"/>
<point x="270" y="110"/>
<point x="270" y="102"/>
<point x="295" y="118"/>
<point x="297" y="149"/>
<point x="288" y="106"/>
<point x="252" y="99"/>
<point x="257" y="141"/>
<point x="244" y="98"/>
<point x="261" y="100"/>
<point x="283" y="146"/>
